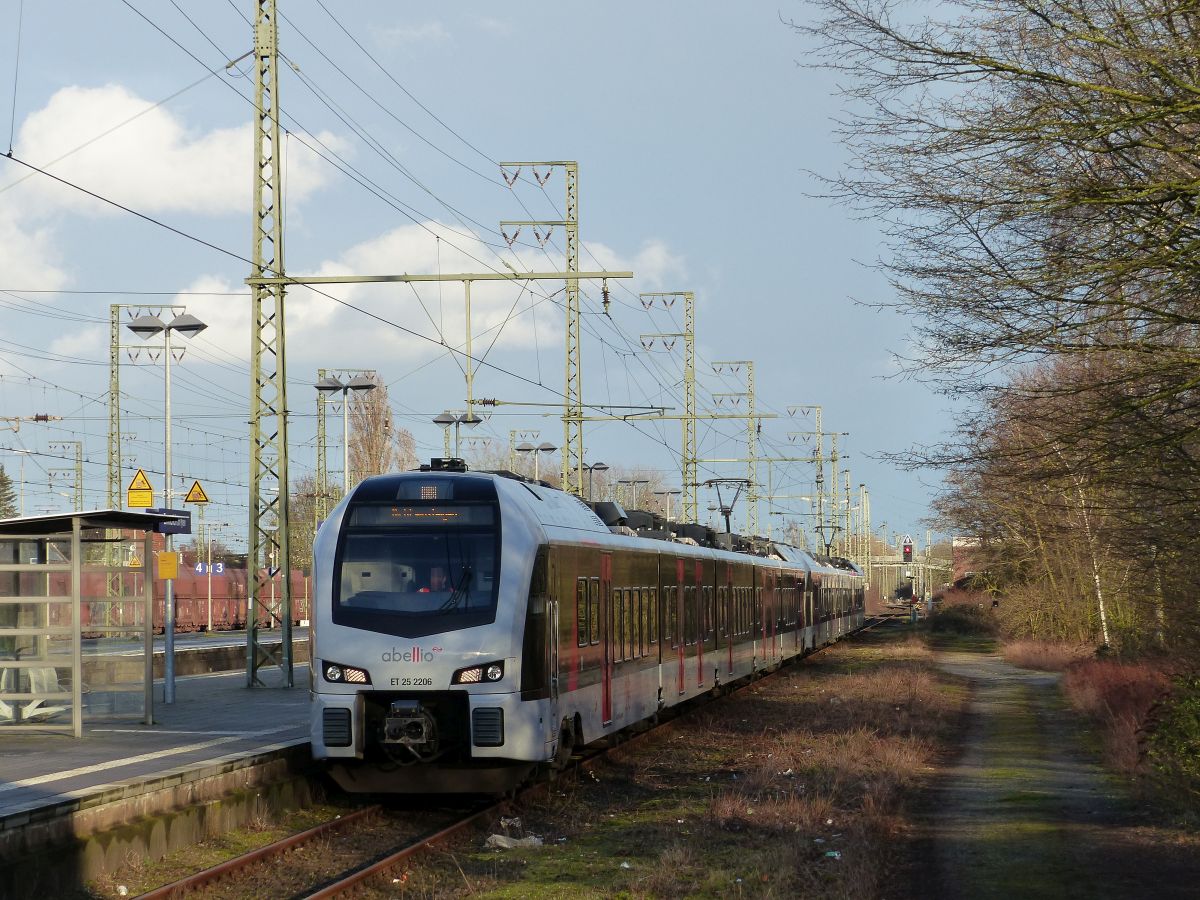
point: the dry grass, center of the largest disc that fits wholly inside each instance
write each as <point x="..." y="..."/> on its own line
<point x="1047" y="656"/>
<point x="1117" y="695"/>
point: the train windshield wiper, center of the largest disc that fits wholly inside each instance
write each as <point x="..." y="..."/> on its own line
<point x="460" y="591"/>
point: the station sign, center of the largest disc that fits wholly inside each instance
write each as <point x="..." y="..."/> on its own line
<point x="139" y="494"/>
<point x="217" y="568"/>
<point x="180" y="524"/>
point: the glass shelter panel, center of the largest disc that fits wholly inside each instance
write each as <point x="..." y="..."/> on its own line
<point x="74" y="640"/>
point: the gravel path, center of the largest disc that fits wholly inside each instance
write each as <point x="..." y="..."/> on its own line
<point x="1027" y="812"/>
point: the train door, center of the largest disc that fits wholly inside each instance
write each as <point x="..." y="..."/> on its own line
<point x="681" y="622"/>
<point x="701" y="618"/>
<point x="607" y="619"/>
<point x="725" y="600"/>
<point x="810" y="621"/>
<point x="552" y="620"/>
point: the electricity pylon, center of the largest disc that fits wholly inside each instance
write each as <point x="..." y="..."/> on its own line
<point x="688" y="465"/>
<point x="268" y="550"/>
<point x="752" y="426"/>
<point x="572" y="448"/>
<point x="76" y="472"/>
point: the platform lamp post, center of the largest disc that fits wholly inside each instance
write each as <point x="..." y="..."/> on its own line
<point x="592" y="469"/>
<point x="147" y="327"/>
<point x="668" y="493"/>
<point x="633" y="487"/>
<point x="447" y="418"/>
<point x="544" y="447"/>
<point x="330" y="385"/>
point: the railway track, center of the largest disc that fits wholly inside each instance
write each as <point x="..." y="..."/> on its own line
<point x="367" y="859"/>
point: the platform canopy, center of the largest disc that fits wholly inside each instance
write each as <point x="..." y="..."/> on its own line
<point x="53" y="523"/>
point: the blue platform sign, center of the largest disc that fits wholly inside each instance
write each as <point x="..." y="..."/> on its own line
<point x="180" y="524"/>
<point x="216" y="568"/>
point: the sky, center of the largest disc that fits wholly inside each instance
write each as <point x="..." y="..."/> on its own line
<point x="695" y="126"/>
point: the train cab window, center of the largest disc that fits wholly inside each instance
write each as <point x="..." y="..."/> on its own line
<point x="417" y="579"/>
<point x="581" y="613"/>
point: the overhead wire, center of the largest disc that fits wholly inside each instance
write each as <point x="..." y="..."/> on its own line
<point x="539" y="381"/>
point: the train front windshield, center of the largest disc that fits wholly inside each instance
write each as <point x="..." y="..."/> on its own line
<point x="417" y="568"/>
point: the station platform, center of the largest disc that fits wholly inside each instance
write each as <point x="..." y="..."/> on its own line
<point x="217" y="737"/>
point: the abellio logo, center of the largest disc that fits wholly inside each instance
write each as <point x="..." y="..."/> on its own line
<point x="414" y="654"/>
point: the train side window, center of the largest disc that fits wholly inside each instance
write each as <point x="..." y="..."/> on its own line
<point x="631" y="611"/>
<point x="710" y="618"/>
<point x="639" y="638"/>
<point x="618" y="633"/>
<point x="652" y="613"/>
<point x="639" y="620"/>
<point x="615" y="617"/>
<point x="594" y="610"/>
<point x="689" y="615"/>
<point x="581" y="612"/>
<point x="721" y="631"/>
<point x="671" y="619"/>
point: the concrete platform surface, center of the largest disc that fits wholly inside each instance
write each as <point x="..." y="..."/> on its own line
<point x="215" y="720"/>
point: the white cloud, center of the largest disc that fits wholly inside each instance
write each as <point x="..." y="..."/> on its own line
<point x="322" y="332"/>
<point x="495" y="26"/>
<point x="146" y="158"/>
<point x="654" y="266"/>
<point x="27" y="256"/>
<point x="426" y="33"/>
<point x="81" y="344"/>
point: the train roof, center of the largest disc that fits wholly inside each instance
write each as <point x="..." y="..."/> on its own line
<point x="570" y="516"/>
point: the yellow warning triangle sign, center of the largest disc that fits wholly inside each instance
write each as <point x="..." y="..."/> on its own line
<point x="196" y="494"/>
<point x="140" y="482"/>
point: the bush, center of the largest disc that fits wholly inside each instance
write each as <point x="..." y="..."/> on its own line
<point x="1049" y="656"/>
<point x="963" y="618"/>
<point x="1119" y="697"/>
<point x="1174" y="743"/>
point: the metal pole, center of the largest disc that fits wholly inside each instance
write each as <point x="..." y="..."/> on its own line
<point x="470" y="388"/>
<point x="147" y="631"/>
<point x="345" y="442"/>
<point x="168" y="541"/>
<point x="210" y="543"/>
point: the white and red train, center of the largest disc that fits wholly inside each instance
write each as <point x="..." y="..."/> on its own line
<point x="468" y="627"/>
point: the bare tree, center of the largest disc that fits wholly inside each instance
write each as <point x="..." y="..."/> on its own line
<point x="376" y="444"/>
<point x="1033" y="166"/>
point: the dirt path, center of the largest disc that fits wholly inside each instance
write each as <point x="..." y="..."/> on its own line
<point x="1027" y="812"/>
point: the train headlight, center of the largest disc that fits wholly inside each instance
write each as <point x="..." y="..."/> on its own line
<point x="337" y="673"/>
<point x="478" y="674"/>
